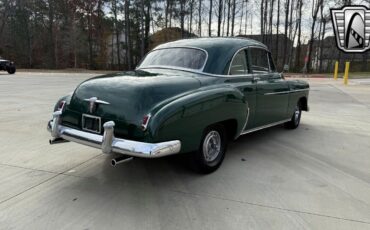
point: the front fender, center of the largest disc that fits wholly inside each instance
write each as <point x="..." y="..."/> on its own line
<point x="186" y="117"/>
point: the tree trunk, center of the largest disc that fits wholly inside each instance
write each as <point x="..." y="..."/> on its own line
<point x="299" y="47"/>
<point x="315" y="10"/>
<point x="147" y="23"/>
<point x="277" y="32"/>
<point x="116" y="30"/>
<point x="262" y="22"/>
<point x="219" y="18"/>
<point x="246" y="17"/>
<point x="265" y="23"/>
<point x="224" y="18"/>
<point x="270" y="22"/>
<point x="287" y="4"/>
<point x="51" y="34"/>
<point x="228" y="17"/>
<point x="142" y="14"/>
<point x="233" y="19"/>
<point x="128" y="36"/>
<point x="191" y="16"/>
<point x="200" y="19"/>
<point x="241" y="18"/>
<point x="210" y="18"/>
<point x="182" y="17"/>
<point x="166" y="12"/>
<point x="322" y="44"/>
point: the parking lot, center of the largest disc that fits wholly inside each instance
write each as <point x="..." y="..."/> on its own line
<point x="314" y="177"/>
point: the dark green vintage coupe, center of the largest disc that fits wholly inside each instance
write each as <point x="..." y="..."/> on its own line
<point x="191" y="95"/>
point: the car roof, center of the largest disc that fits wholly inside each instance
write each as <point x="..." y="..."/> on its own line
<point x="220" y="50"/>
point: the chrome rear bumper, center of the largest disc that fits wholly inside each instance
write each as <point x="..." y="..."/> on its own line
<point x="108" y="143"/>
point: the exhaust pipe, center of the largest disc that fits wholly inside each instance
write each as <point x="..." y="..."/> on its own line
<point x="120" y="160"/>
<point x="57" y="141"/>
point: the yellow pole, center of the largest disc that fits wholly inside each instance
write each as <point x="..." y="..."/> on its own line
<point x="336" y="70"/>
<point x="345" y="78"/>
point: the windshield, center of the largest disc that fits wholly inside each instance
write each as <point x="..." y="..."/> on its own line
<point x="188" y="58"/>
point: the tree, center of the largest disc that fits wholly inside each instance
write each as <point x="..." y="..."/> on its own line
<point x="115" y="11"/>
<point x="210" y="18"/>
<point x="233" y="18"/>
<point x="200" y="18"/>
<point x="299" y="42"/>
<point x="191" y="15"/>
<point x="220" y="6"/>
<point x="127" y="34"/>
<point x="286" y="10"/>
<point x="316" y="4"/>
<point x="182" y="17"/>
<point x="277" y="30"/>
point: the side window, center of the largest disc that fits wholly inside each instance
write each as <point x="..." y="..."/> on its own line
<point x="271" y="62"/>
<point x="239" y="64"/>
<point x="259" y="60"/>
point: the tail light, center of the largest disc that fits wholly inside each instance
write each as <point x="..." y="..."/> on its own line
<point x="145" y="122"/>
<point x="61" y="105"/>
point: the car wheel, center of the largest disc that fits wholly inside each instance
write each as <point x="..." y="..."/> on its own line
<point x="296" y="118"/>
<point x="212" y="149"/>
<point x="11" y="69"/>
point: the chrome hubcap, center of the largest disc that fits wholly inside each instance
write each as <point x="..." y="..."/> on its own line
<point x="211" y="146"/>
<point x="297" y="112"/>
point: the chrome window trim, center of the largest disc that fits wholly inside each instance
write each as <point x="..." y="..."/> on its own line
<point x="194" y="71"/>
<point x="232" y="59"/>
<point x="201" y="71"/>
<point x="174" y="47"/>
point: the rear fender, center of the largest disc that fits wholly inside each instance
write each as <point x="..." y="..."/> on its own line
<point x="186" y="118"/>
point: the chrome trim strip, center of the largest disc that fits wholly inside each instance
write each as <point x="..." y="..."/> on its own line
<point x="285" y="92"/>
<point x="144" y="126"/>
<point x="245" y="125"/>
<point x="187" y="47"/>
<point x="195" y="71"/>
<point x="276" y="93"/>
<point x="232" y="59"/>
<point x="96" y="100"/>
<point x="108" y="143"/>
<point x="300" y="90"/>
<point x="264" y="126"/>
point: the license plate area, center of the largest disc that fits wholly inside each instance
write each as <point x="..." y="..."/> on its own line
<point x="91" y="123"/>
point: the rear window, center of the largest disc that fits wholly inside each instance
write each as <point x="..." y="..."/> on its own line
<point x="188" y="58"/>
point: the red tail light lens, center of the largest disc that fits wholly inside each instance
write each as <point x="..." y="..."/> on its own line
<point x="61" y="105"/>
<point x="145" y="122"/>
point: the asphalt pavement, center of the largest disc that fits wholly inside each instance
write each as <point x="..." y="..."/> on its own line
<point x="314" y="177"/>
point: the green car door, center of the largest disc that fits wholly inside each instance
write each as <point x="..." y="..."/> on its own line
<point x="272" y="90"/>
<point x="240" y="76"/>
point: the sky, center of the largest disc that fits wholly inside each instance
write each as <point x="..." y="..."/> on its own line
<point x="253" y="11"/>
<point x="252" y="8"/>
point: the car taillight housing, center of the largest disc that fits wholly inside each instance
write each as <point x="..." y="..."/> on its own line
<point x="145" y="122"/>
<point x="61" y="105"/>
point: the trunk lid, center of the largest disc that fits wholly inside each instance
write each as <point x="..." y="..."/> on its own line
<point x="130" y="96"/>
